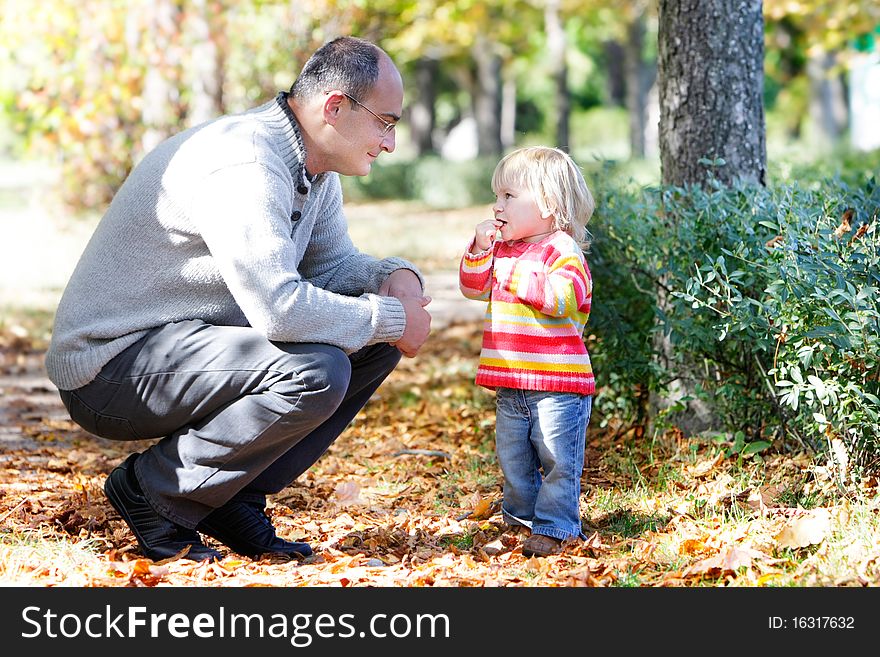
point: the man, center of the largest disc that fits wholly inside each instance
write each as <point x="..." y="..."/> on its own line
<point x="221" y="307"/>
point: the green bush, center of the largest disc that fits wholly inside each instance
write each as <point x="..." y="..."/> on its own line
<point x="386" y="181"/>
<point x="443" y="184"/>
<point x="435" y="182"/>
<point x="770" y="301"/>
<point x="847" y="166"/>
<point x="799" y="291"/>
<point x="623" y="313"/>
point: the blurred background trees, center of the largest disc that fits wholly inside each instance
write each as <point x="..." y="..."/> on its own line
<point x="90" y="85"/>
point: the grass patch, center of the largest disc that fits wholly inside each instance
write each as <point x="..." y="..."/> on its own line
<point x="29" y="556"/>
<point x="629" y="524"/>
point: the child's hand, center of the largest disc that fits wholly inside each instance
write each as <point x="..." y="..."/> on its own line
<point x="484" y="234"/>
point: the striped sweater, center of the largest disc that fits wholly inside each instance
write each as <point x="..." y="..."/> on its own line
<point x="539" y="298"/>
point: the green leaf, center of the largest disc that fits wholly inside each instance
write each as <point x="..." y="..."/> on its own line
<point x="832" y="314"/>
<point x="755" y="447"/>
<point x="821" y="332"/>
<point x="739" y="439"/>
<point x="818" y="385"/>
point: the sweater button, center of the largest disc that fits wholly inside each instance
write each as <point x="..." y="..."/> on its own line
<point x="302" y="189"/>
<point x="296" y="215"/>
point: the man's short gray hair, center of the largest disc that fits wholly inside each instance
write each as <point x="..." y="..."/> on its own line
<point x="346" y="63"/>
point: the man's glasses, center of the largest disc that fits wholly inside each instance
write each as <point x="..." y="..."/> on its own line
<point x="386" y="125"/>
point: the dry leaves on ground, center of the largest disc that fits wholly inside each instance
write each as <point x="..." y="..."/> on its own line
<point x="408" y="496"/>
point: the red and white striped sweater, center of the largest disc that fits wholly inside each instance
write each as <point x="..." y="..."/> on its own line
<point x="539" y="301"/>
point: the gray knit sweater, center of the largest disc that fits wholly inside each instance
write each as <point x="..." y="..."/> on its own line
<point x="220" y="223"/>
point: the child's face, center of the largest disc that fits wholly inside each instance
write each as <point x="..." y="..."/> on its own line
<point x="517" y="209"/>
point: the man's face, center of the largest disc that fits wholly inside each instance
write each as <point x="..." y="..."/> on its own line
<point x="364" y="127"/>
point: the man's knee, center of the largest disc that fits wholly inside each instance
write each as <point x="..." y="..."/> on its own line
<point x="317" y="382"/>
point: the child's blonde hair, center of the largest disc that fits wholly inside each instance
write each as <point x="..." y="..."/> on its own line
<point x="557" y="184"/>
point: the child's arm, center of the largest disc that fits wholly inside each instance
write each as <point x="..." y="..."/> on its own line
<point x="560" y="288"/>
<point x="475" y="269"/>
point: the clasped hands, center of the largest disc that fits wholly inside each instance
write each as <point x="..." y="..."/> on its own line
<point x="405" y="286"/>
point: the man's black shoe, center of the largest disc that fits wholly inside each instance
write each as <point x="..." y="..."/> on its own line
<point x="158" y="537"/>
<point x="242" y="525"/>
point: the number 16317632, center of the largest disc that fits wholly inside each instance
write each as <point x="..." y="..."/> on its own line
<point x="811" y="623"/>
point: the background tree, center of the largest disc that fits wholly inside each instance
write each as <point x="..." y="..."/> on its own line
<point x="641" y="75"/>
<point x="422" y="111"/>
<point x="475" y="45"/>
<point x="208" y="26"/>
<point x="808" y="45"/>
<point x="710" y="67"/>
<point x="556" y="50"/>
<point x="711" y="73"/>
<point x="629" y="37"/>
<point x="160" y="43"/>
<point x="486" y="94"/>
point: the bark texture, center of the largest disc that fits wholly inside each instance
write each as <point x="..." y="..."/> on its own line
<point x="711" y="72"/>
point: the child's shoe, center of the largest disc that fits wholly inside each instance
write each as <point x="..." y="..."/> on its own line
<point x="539" y="545"/>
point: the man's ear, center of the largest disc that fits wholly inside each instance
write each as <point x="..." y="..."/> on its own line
<point x="332" y="106"/>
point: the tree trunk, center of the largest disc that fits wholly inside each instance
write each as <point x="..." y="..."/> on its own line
<point x="828" y="107"/>
<point x="422" y="113"/>
<point x="508" y="112"/>
<point x="636" y="91"/>
<point x="208" y="32"/>
<point x="614" y="71"/>
<point x="711" y="71"/>
<point x="487" y="98"/>
<point x="161" y="97"/>
<point x="652" y="119"/>
<point x="559" y="63"/>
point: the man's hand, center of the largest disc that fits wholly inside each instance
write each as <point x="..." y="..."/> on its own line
<point x="418" y="325"/>
<point x="401" y="283"/>
<point x="404" y="285"/>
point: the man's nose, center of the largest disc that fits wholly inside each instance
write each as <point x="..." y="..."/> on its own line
<point x="389" y="142"/>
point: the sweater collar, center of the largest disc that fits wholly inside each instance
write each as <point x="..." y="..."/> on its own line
<point x="282" y="123"/>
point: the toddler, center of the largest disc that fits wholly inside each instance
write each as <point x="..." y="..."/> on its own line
<point x="528" y="264"/>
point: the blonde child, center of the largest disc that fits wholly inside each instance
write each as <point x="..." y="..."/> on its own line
<point x="528" y="264"/>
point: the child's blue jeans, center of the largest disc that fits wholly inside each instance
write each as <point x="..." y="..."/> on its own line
<point x="537" y="430"/>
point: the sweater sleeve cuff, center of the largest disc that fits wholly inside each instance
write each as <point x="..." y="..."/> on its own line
<point x="388" y="265"/>
<point x="476" y="262"/>
<point x="390" y="318"/>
